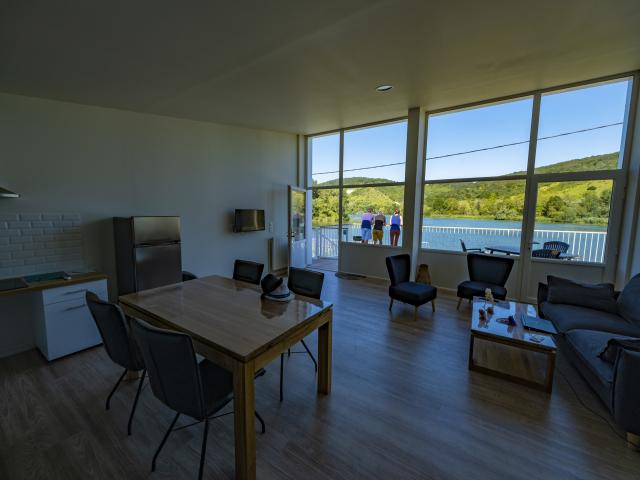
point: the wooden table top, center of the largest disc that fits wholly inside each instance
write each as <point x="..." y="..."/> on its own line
<point x="515" y="334"/>
<point x="225" y="313"/>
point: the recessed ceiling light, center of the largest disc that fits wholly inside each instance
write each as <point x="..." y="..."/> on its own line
<point x="384" y="88"/>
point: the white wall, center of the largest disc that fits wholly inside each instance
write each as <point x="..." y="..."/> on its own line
<point x="101" y="163"/>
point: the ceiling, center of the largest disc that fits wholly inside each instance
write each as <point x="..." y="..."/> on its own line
<point x="306" y="67"/>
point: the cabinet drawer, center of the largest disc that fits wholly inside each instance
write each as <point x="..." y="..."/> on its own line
<point x="69" y="327"/>
<point x="74" y="292"/>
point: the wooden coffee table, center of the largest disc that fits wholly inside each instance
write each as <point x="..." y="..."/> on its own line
<point x="514" y="336"/>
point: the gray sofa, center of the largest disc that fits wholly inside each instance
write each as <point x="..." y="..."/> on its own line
<point x="586" y="322"/>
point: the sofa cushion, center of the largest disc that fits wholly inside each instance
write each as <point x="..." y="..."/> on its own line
<point x="610" y="352"/>
<point x="470" y="289"/>
<point x="570" y="317"/>
<point x="413" y="293"/>
<point x="629" y="301"/>
<point x="596" y="296"/>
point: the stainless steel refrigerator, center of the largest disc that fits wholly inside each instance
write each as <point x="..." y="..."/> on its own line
<point x="147" y="252"/>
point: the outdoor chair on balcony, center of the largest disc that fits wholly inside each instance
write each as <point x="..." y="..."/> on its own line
<point x="405" y="291"/>
<point x="486" y="271"/>
<point x="545" y="253"/>
<point x="465" y="249"/>
<point x="560" y="247"/>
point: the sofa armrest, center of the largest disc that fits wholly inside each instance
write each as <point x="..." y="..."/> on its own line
<point x="543" y="291"/>
<point x="626" y="391"/>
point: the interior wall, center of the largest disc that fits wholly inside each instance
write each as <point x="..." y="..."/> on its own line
<point x="101" y="163"/>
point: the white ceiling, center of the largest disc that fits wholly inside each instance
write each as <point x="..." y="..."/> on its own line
<point x="305" y="67"/>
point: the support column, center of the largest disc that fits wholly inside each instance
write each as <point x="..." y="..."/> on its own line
<point x="414" y="181"/>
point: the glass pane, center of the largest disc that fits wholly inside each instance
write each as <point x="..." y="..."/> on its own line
<point x="298" y="200"/>
<point x="581" y="129"/>
<point x="324" y="221"/>
<point x="473" y="215"/>
<point x="575" y="214"/>
<point x="325" y="159"/>
<point x="360" y="208"/>
<point x="491" y="140"/>
<point x="375" y="154"/>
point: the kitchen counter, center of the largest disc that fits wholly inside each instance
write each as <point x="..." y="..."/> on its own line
<point x="60" y="282"/>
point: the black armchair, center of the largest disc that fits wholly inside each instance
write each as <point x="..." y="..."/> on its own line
<point x="246" y="271"/>
<point x="557" y="245"/>
<point x="405" y="291"/>
<point x="545" y="253"/>
<point x="486" y="271"/>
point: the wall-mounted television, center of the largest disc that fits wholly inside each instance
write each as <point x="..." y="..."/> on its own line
<point x="248" y="220"/>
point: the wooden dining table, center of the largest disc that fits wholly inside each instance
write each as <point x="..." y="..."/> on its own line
<point x="232" y="326"/>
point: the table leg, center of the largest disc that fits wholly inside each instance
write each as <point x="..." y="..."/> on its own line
<point x="471" y="364"/>
<point x="244" y="409"/>
<point x="551" y="363"/>
<point x="324" y="356"/>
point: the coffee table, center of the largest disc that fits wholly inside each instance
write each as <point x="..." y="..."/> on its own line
<point x="514" y="336"/>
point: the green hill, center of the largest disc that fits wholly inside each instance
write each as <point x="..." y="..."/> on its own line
<point x="584" y="202"/>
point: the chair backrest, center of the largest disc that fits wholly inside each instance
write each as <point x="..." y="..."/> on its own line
<point x="246" y="271"/>
<point x="186" y="276"/>
<point x="399" y="268"/>
<point x="556" y="245"/>
<point x="172" y="368"/>
<point x="545" y="253"/>
<point x="494" y="269"/>
<point x="112" y="325"/>
<point x="463" y="245"/>
<point x="305" y="282"/>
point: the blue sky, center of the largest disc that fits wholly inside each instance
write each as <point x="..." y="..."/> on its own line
<point x="485" y="127"/>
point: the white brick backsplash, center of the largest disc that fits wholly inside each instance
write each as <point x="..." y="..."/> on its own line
<point x="40" y="243"/>
<point x="30" y="216"/>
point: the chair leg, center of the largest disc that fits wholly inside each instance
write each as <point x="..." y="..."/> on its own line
<point x="315" y="364"/>
<point x="135" y="401"/>
<point x="204" y="447"/>
<point x="164" y="439"/>
<point x="114" y="389"/>
<point x="433" y="305"/>
<point x="263" y="429"/>
<point x="459" y="302"/>
<point x="288" y="352"/>
<point x="415" y="313"/>
<point x="281" y="374"/>
<point x="390" y="304"/>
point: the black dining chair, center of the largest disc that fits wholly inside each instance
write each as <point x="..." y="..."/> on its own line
<point x="186" y="276"/>
<point x="119" y="344"/>
<point x="309" y="284"/>
<point x="486" y="271"/>
<point x="557" y="245"/>
<point x="545" y="253"/>
<point x="246" y="271"/>
<point x="465" y="249"/>
<point x="405" y="291"/>
<point x="188" y="387"/>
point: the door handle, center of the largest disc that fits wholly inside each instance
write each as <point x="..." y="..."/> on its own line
<point x="74" y="308"/>
<point x="76" y="291"/>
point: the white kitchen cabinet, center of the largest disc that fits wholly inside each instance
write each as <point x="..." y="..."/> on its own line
<point x="65" y="325"/>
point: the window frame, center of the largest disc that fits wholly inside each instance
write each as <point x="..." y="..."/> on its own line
<point x="532" y="179"/>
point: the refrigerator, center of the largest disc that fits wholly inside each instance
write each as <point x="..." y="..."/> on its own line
<point x="147" y="252"/>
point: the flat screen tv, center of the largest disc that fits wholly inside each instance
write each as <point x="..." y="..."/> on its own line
<point x="249" y="220"/>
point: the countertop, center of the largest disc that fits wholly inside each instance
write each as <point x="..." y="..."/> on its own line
<point x="47" y="284"/>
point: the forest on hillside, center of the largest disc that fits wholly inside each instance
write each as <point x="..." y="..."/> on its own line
<point x="580" y="202"/>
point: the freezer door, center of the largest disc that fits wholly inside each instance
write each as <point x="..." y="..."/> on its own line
<point x="154" y="230"/>
<point x="157" y="266"/>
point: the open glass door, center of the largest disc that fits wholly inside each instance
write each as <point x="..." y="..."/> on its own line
<point x="297" y="222"/>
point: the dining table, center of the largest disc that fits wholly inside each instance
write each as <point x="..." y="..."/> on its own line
<point x="233" y="326"/>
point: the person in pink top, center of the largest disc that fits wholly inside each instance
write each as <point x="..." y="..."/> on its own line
<point x="365" y="226"/>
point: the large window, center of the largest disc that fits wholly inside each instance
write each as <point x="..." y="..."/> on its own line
<point x="467" y="202"/>
<point x="372" y="193"/>
<point x="478" y="165"/>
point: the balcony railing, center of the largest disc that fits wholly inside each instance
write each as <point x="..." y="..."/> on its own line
<point x="584" y="245"/>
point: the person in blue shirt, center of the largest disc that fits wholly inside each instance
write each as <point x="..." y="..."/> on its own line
<point x="365" y="226"/>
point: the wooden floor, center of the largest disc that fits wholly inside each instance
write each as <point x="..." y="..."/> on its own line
<point x="403" y="406"/>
